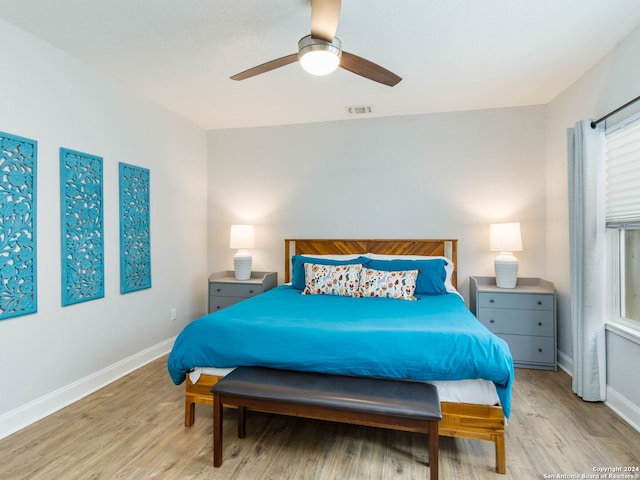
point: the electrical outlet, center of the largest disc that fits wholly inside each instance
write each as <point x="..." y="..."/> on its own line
<point x="174" y="315"/>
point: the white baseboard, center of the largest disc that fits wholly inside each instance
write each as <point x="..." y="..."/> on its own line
<point x="35" y="410"/>
<point x="622" y="406"/>
<point x="626" y="409"/>
<point x="565" y="363"/>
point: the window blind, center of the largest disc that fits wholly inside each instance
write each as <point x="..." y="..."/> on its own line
<point x="622" y="177"/>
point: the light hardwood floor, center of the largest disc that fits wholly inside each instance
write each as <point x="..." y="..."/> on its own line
<point x="133" y="429"/>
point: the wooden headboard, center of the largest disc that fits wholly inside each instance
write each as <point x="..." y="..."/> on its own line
<point x="429" y="247"/>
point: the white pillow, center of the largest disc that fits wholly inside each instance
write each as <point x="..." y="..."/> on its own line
<point x="333" y="257"/>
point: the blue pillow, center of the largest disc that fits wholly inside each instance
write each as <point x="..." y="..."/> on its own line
<point x="298" y="261"/>
<point x="431" y="273"/>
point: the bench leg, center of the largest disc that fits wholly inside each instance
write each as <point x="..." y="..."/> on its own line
<point x="217" y="431"/>
<point x="242" y="415"/>
<point x="433" y="450"/>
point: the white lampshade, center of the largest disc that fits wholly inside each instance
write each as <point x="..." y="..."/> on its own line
<point x="242" y="238"/>
<point x="505" y="238"/>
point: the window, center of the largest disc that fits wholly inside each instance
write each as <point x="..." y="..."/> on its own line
<point x="622" y="189"/>
<point x="630" y="274"/>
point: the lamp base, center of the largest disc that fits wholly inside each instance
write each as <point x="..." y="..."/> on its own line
<point x="242" y="265"/>
<point x="506" y="267"/>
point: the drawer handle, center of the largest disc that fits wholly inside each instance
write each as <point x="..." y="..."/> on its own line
<point x="539" y="302"/>
<point x="492" y="321"/>
<point x="218" y="307"/>
<point x="218" y="289"/>
<point x="250" y="291"/>
<point x="540" y="350"/>
<point x="539" y="324"/>
<point x="491" y="300"/>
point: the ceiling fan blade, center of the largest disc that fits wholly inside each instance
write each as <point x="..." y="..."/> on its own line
<point x="368" y="69"/>
<point x="324" y="18"/>
<point x="266" y="67"/>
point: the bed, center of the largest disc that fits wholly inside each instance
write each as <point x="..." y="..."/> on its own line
<point x="386" y="338"/>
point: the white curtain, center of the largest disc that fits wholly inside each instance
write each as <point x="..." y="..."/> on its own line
<point x="587" y="259"/>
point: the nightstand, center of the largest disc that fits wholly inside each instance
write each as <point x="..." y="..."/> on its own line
<point x="524" y="316"/>
<point x="225" y="290"/>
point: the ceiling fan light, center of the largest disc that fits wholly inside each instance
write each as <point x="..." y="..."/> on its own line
<point x="319" y="57"/>
<point x="319" y="62"/>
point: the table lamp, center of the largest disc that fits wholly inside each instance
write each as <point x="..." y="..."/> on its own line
<point x="505" y="238"/>
<point x="242" y="239"/>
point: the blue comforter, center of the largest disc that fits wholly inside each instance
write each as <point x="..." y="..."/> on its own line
<point x="435" y="338"/>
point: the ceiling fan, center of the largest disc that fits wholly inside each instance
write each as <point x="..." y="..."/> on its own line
<point x="321" y="52"/>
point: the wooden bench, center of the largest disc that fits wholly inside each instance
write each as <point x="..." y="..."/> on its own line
<point x="393" y="404"/>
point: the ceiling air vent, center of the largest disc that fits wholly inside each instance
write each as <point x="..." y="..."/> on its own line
<point x="359" y="110"/>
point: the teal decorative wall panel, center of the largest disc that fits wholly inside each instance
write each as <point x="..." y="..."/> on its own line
<point x="18" y="162"/>
<point x="135" y="233"/>
<point x="82" y="227"/>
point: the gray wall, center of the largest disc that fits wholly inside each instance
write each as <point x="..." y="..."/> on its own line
<point x="445" y="175"/>
<point x="611" y="83"/>
<point x="57" y="355"/>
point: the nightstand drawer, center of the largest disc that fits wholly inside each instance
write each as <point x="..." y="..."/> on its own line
<point x="234" y="289"/>
<point x="515" y="300"/>
<point x="218" y="303"/>
<point x="519" y="322"/>
<point x="530" y="349"/>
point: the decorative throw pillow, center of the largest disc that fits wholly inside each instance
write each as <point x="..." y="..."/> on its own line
<point x="341" y="280"/>
<point x="391" y="284"/>
<point x="298" y="262"/>
<point x="432" y="273"/>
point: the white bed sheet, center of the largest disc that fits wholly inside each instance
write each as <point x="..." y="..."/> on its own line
<point x="480" y="392"/>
